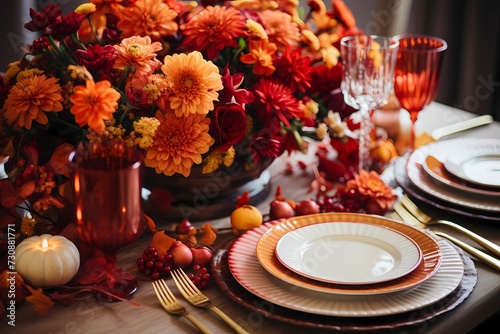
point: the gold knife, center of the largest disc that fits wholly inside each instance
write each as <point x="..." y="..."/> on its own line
<point x="461" y="126"/>
<point x="486" y="258"/>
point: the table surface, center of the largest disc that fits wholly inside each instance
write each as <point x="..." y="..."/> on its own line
<point x="90" y="316"/>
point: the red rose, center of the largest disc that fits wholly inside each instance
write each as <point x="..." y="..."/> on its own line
<point x="227" y="126"/>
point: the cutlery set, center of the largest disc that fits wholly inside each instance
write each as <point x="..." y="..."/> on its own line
<point x="407" y="211"/>
<point x="194" y="296"/>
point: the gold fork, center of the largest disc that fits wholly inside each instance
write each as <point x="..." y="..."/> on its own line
<point x="403" y="215"/>
<point x="194" y="296"/>
<point x="427" y="220"/>
<point x="173" y="306"/>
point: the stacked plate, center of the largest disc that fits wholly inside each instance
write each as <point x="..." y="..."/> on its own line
<point x="344" y="265"/>
<point x="459" y="175"/>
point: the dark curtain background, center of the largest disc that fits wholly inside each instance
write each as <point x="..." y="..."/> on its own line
<point x="470" y="79"/>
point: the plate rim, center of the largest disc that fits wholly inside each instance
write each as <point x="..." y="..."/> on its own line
<point x="456" y="168"/>
<point x="405" y="268"/>
<point x="449" y="181"/>
<point x="402" y="179"/>
<point x="420" y="179"/>
<point x="448" y="276"/>
<point x="431" y="258"/>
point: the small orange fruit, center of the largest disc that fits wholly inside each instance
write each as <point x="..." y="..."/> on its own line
<point x="244" y="218"/>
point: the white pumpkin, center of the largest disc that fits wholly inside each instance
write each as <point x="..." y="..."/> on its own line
<point x="47" y="260"/>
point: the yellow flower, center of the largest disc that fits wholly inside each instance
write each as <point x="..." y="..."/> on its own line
<point x="195" y="82"/>
<point x="94" y="103"/>
<point x="212" y="162"/>
<point x="144" y="130"/>
<point x="27" y="225"/>
<point x="12" y="71"/>
<point x="228" y="157"/>
<point x="86" y="8"/>
<point x="255" y="30"/>
<point x="178" y="143"/>
<point x="28" y="73"/>
<point x="30" y="98"/>
<point x="330" y="56"/>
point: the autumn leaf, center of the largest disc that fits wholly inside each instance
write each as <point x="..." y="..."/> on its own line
<point x="9" y="198"/>
<point x="208" y="235"/>
<point x="244" y="199"/>
<point x="161" y="199"/>
<point x="162" y="242"/>
<point x="58" y="162"/>
<point x="42" y="302"/>
<point x="150" y="223"/>
<point x="92" y="271"/>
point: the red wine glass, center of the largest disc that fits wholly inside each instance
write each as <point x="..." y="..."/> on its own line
<point x="416" y="77"/>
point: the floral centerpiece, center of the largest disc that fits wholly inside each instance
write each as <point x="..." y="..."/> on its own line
<point x="199" y="86"/>
<point x="193" y="85"/>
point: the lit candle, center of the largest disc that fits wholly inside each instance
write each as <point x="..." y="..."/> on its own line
<point x="47" y="261"/>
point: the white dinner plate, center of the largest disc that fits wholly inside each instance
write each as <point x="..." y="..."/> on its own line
<point x="435" y="168"/>
<point x="248" y="272"/>
<point x="348" y="253"/>
<point x="420" y="179"/>
<point x="477" y="163"/>
<point x="431" y="255"/>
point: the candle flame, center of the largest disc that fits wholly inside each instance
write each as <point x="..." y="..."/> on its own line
<point x="45" y="244"/>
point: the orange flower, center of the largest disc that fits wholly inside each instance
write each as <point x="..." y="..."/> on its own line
<point x="178" y="143"/>
<point x="213" y="29"/>
<point x="30" y="98"/>
<point x="195" y="83"/>
<point x="94" y="103"/>
<point x="262" y="53"/>
<point x="371" y="185"/>
<point x="97" y="21"/>
<point x="148" y="18"/>
<point x="139" y="52"/>
<point x="281" y="29"/>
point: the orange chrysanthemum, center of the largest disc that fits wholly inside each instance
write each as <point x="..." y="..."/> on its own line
<point x="213" y="29"/>
<point x="94" y="103"/>
<point x="139" y="52"/>
<point x="281" y="30"/>
<point x="178" y="143"/>
<point x="262" y="53"/>
<point x="151" y="18"/>
<point x="371" y="185"/>
<point x="195" y="83"/>
<point x="30" y="98"/>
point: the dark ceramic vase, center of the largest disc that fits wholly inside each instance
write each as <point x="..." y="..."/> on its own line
<point x="205" y="196"/>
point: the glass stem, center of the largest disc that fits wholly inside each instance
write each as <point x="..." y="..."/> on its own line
<point x="413" y="133"/>
<point x="364" y="140"/>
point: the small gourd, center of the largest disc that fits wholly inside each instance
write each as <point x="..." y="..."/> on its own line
<point x="47" y="260"/>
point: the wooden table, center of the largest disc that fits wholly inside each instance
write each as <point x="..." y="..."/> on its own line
<point x="91" y="316"/>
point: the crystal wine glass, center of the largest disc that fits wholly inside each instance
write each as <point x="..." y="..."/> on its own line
<point x="368" y="74"/>
<point x="107" y="184"/>
<point x="417" y="73"/>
